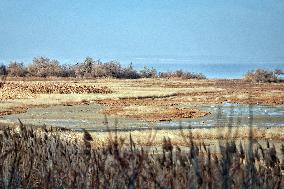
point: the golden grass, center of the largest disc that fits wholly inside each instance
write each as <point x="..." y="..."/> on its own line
<point x="212" y="134"/>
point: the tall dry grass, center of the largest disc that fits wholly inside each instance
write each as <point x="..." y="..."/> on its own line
<point x="55" y="158"/>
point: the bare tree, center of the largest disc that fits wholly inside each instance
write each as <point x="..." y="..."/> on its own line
<point x="43" y="67"/>
<point x="261" y="75"/>
<point x="17" y="69"/>
<point x="84" y="69"/>
<point x="148" y="73"/>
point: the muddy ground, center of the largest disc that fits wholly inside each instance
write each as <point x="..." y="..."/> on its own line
<point x="201" y="92"/>
<point x="145" y="99"/>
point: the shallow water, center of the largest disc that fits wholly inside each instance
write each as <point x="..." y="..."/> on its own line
<point x="228" y="114"/>
<point x="89" y="117"/>
<point x="74" y="117"/>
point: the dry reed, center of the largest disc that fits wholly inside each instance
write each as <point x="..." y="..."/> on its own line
<point x="55" y="158"/>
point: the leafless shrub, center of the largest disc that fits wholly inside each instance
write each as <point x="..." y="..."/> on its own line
<point x="182" y="74"/>
<point x="261" y="75"/>
<point x="97" y="69"/>
<point x="16" y="69"/>
<point x="84" y="69"/>
<point x="67" y="71"/>
<point x="44" y="67"/>
<point x="148" y="72"/>
<point x="130" y="73"/>
<point x="109" y="69"/>
<point x="89" y="68"/>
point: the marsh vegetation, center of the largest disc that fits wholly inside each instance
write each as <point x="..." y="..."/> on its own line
<point x="51" y="157"/>
<point x="54" y="158"/>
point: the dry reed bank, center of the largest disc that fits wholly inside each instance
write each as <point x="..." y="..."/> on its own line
<point x="53" y="158"/>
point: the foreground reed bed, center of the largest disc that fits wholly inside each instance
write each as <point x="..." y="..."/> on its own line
<point x="55" y="158"/>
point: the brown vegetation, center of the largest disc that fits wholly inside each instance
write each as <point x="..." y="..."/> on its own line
<point x="17" y="69"/>
<point x="262" y="76"/>
<point x="155" y="113"/>
<point x="14" y="110"/>
<point x="44" y="67"/>
<point x="211" y="135"/>
<point x="89" y="68"/>
<point x="181" y="74"/>
<point x="12" y="90"/>
<point x="53" y="158"/>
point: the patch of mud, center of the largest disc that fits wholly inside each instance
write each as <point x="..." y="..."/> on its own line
<point x="14" y="110"/>
<point x="23" y="109"/>
<point x="153" y="114"/>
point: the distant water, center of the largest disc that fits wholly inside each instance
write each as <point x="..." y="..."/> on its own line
<point x="211" y="67"/>
<point x="232" y="71"/>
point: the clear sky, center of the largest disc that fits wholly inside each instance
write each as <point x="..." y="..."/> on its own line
<point x="121" y="29"/>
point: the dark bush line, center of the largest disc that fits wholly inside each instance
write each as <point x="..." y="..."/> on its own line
<point x="89" y="68"/>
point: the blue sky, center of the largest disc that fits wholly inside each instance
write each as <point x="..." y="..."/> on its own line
<point x="139" y="29"/>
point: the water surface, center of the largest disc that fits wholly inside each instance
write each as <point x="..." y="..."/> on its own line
<point x="89" y="117"/>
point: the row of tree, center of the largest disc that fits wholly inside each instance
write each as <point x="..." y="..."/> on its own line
<point x="89" y="68"/>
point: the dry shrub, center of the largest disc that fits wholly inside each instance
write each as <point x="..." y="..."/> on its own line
<point x="16" y="69"/>
<point x="97" y="69"/>
<point x="44" y="67"/>
<point x="148" y="72"/>
<point x="89" y="68"/>
<point x="182" y="74"/>
<point x="262" y="76"/>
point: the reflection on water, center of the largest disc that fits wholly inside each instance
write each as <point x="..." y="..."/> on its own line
<point x="228" y="114"/>
<point x="82" y="116"/>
